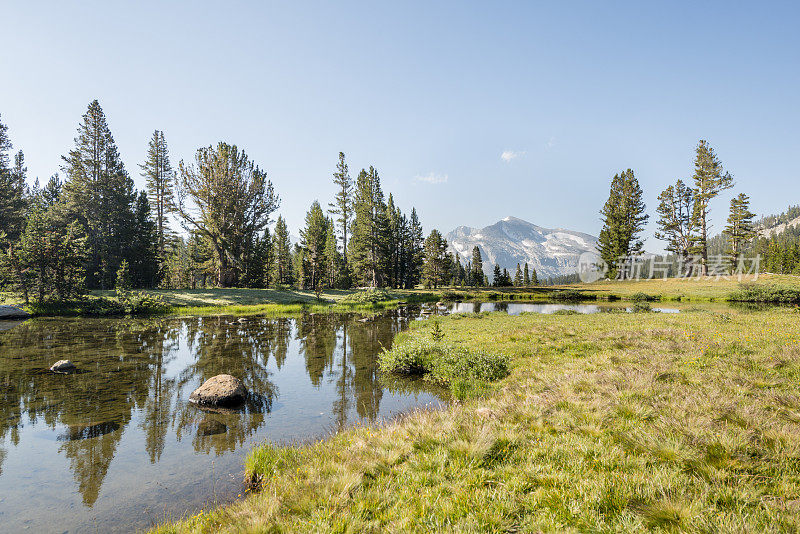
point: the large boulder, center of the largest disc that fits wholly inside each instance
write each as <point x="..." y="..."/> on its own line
<point x="12" y="312"/>
<point x="220" y="390"/>
<point x="64" y="367"/>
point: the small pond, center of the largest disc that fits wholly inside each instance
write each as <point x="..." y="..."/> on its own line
<point x="117" y="447"/>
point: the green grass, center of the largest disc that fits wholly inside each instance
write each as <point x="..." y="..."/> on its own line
<point x="607" y="422"/>
<point x="466" y="371"/>
<point x="217" y="301"/>
<point x="691" y="289"/>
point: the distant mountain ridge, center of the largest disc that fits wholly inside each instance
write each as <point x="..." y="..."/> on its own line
<point x="551" y="251"/>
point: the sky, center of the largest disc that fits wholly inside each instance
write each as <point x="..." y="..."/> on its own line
<point x="470" y="111"/>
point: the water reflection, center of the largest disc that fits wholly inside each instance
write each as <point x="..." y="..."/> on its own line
<point x="308" y="375"/>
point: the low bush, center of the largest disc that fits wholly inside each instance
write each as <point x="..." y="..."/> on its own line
<point x="443" y="363"/>
<point x="765" y="293"/>
<point x="367" y="296"/>
<point x="569" y="294"/>
<point x="126" y="303"/>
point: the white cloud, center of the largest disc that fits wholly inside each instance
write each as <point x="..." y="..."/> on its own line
<point x="431" y="178"/>
<point x="508" y="155"/>
<point x="550" y="143"/>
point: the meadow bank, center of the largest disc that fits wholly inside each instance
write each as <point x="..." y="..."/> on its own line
<point x="768" y="288"/>
<point x="615" y="422"/>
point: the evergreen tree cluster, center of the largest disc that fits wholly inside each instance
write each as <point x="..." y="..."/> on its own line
<point x="365" y="241"/>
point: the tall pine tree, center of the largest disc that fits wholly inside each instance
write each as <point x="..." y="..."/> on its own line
<point x="282" y="254"/>
<point x="675" y="207"/>
<point x="342" y="207"/>
<point x="159" y="179"/>
<point x="12" y="189"/>
<point x="623" y="219"/>
<point x="313" y="238"/>
<point x="369" y="239"/>
<point x="740" y="229"/>
<point x="477" y="266"/>
<point x="99" y="194"/>
<point x="709" y="181"/>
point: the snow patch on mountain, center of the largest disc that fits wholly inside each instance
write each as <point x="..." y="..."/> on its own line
<point x="552" y="252"/>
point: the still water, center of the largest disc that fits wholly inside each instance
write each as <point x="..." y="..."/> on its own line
<point x="118" y="447"/>
<point x="515" y="308"/>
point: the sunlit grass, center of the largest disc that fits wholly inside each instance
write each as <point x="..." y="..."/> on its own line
<point x="608" y="422"/>
<point x="697" y="289"/>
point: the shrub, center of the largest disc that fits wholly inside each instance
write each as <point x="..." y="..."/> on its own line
<point x="568" y="294"/>
<point x="643" y="297"/>
<point x="443" y="363"/>
<point x="765" y="293"/>
<point x="367" y="296"/>
<point x="138" y="303"/>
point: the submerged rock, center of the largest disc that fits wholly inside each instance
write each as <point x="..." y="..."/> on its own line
<point x="64" y="367"/>
<point x="12" y="312"/>
<point x="211" y="427"/>
<point x="220" y="390"/>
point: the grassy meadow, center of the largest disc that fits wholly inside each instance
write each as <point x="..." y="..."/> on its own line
<point x="243" y="301"/>
<point x="606" y="422"/>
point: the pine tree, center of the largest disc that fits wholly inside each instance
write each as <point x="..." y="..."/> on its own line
<point x="144" y="264"/>
<point x="313" y="238"/>
<point x="299" y="267"/>
<point x="160" y="179"/>
<point x="369" y="238"/>
<point x="518" y="277"/>
<point x="12" y="189"/>
<point x="477" y="266"/>
<point x="675" y="218"/>
<point x="436" y="267"/>
<point x="534" y="278"/>
<point x="342" y="206"/>
<point x="282" y="247"/>
<point x="709" y="181"/>
<point x="393" y="242"/>
<point x="99" y="194"/>
<point x="740" y="229"/>
<point x="497" y="276"/>
<point x="415" y="253"/>
<point x="623" y="219"/>
<point x="333" y="259"/>
<point x="526" y="279"/>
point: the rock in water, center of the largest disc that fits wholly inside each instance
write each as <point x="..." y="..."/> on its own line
<point x="12" y="312"/>
<point x="63" y="366"/>
<point x="220" y="390"/>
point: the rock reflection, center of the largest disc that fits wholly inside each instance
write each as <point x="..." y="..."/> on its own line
<point x="136" y="377"/>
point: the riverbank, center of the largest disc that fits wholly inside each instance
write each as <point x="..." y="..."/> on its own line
<point x="618" y="422"/>
<point x="243" y="301"/>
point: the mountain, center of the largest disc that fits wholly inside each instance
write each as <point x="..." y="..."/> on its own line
<point x="778" y="228"/>
<point x="552" y="252"/>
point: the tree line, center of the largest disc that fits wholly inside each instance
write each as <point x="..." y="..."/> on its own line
<point x="683" y="218"/>
<point x="92" y="229"/>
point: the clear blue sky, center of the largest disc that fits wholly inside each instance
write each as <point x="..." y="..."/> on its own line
<point x="431" y="93"/>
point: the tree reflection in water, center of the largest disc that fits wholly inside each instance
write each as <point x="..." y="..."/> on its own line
<point x="136" y="376"/>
